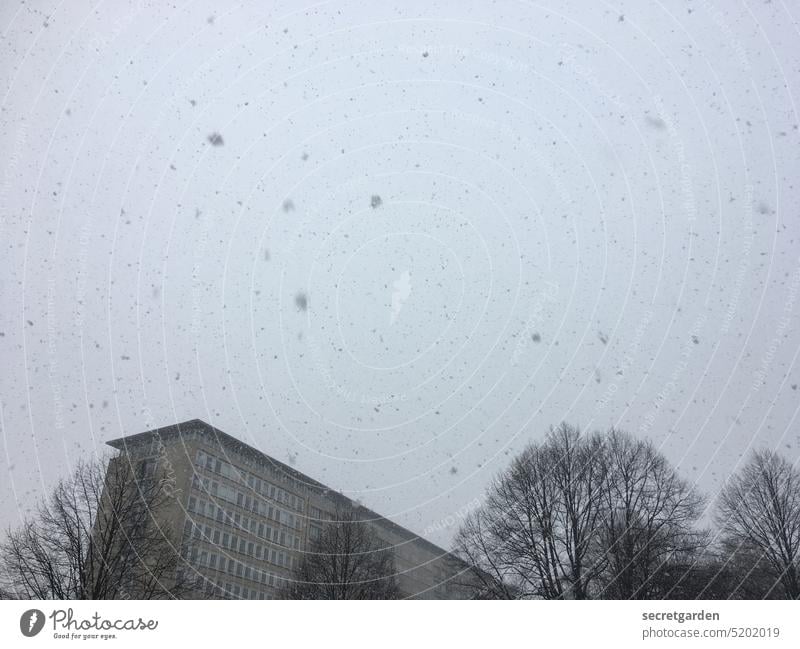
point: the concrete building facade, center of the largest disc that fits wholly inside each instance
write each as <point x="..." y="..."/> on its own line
<point x="244" y="519"/>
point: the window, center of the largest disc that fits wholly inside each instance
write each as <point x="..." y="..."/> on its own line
<point x="250" y="549"/>
<point x="147" y="468"/>
<point x="216" y="537"/>
<point x="238" y="569"/>
<point x="212" y="560"/>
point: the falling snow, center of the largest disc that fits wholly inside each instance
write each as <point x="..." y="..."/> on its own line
<point x="506" y="216"/>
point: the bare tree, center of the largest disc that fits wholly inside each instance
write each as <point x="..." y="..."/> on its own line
<point x="581" y="516"/>
<point x="347" y="561"/>
<point x="648" y="525"/>
<point x="491" y="573"/>
<point x="536" y="535"/>
<point x="759" y="510"/>
<point x="95" y="537"/>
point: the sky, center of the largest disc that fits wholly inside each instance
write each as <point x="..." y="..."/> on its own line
<point x="391" y="243"/>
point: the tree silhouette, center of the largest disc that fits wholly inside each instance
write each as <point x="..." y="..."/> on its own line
<point x="347" y="561"/>
<point x="95" y="537"/>
<point x="758" y="513"/>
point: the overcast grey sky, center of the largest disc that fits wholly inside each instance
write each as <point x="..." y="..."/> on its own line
<point x="392" y="242"/>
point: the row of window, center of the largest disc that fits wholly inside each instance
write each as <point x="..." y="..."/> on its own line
<point x="244" y="523"/>
<point x="219" y="588"/>
<point x="202" y="558"/>
<point x="314" y="512"/>
<point x="220" y="538"/>
<point x="255" y="505"/>
<point x="222" y="563"/>
<point x="256" y="484"/>
<point x="277" y="475"/>
<point x="227" y="590"/>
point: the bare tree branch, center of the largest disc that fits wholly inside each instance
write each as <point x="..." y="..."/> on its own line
<point x="348" y="561"/>
<point x="95" y="537"/>
<point x="759" y="509"/>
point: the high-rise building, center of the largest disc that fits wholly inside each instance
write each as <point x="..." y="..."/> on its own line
<point x="245" y="519"/>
